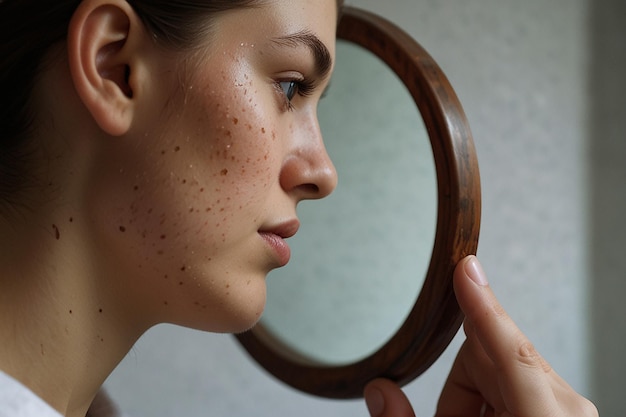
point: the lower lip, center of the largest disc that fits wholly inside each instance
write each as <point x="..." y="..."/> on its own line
<point x="280" y="247"/>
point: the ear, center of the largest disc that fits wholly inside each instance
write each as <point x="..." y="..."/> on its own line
<point x="104" y="40"/>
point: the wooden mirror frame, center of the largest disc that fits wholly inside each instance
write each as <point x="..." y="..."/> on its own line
<point x="436" y="317"/>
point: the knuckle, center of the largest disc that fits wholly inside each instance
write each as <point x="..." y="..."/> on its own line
<point x="528" y="356"/>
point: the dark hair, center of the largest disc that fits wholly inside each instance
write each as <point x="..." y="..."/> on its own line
<point x="28" y="29"/>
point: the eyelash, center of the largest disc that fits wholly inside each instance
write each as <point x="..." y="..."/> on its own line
<point x="303" y="87"/>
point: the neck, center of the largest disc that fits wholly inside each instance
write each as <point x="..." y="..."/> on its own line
<point x="63" y="332"/>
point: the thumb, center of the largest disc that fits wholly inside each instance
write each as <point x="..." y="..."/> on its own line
<point x="385" y="399"/>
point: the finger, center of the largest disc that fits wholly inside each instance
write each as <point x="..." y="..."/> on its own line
<point x="385" y="399"/>
<point x="460" y="395"/>
<point x="494" y="328"/>
<point x="472" y="382"/>
<point x="524" y="381"/>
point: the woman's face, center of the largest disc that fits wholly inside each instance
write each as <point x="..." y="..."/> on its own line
<point x="194" y="204"/>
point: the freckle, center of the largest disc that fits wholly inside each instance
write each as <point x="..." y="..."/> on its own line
<point x="57" y="234"/>
<point x="136" y="187"/>
<point x="184" y="181"/>
<point x="224" y="172"/>
<point x="191" y="209"/>
<point x="122" y="229"/>
<point x="163" y="236"/>
<point x="176" y="149"/>
<point x="165" y="276"/>
<point x="165" y="303"/>
<point x="183" y="268"/>
<point x="159" y="252"/>
<point x="201" y="190"/>
<point x="70" y="311"/>
<point x="71" y="219"/>
<point x="100" y="311"/>
<point x="180" y="283"/>
<point x="163" y="152"/>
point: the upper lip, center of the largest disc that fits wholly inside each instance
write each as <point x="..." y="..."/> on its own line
<point x="284" y="230"/>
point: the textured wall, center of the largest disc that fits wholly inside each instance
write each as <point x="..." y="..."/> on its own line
<point x="521" y="71"/>
<point x="607" y="204"/>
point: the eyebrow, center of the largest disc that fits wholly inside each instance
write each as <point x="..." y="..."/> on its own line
<point x="321" y="55"/>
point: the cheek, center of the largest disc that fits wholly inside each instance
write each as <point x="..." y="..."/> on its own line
<point x="193" y="178"/>
<point x="236" y="138"/>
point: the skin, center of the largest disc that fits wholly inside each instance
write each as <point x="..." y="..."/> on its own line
<point x="167" y="176"/>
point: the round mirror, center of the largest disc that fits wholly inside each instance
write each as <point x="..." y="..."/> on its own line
<point x="336" y="298"/>
<point x="383" y="248"/>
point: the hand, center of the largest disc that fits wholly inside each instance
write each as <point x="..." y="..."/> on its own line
<point x="497" y="371"/>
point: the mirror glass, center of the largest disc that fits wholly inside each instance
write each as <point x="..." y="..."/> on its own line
<point x="360" y="257"/>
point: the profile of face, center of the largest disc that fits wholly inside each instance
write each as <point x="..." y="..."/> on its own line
<point x="190" y="208"/>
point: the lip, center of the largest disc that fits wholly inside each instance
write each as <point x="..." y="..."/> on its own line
<point x="275" y="237"/>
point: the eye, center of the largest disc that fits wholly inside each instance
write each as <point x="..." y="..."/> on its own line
<point x="290" y="88"/>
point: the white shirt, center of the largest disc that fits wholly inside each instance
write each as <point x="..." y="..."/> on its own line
<point x="16" y="400"/>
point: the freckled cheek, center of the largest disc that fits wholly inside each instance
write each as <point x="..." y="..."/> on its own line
<point x="220" y="157"/>
<point x="240" y="145"/>
<point x="202" y="194"/>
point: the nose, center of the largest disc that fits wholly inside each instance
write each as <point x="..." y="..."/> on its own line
<point x="308" y="172"/>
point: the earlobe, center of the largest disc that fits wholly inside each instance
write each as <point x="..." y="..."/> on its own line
<point x="101" y="37"/>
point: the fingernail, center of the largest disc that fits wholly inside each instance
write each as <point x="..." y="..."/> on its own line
<point x="375" y="402"/>
<point x="474" y="270"/>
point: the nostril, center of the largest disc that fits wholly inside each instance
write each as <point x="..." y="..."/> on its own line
<point x="310" y="189"/>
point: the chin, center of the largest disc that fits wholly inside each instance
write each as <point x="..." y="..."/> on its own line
<point x="244" y="322"/>
<point x="236" y="317"/>
<point x="240" y="323"/>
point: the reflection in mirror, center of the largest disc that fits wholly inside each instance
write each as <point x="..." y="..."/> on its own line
<point x="360" y="257"/>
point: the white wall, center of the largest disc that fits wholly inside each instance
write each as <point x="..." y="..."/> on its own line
<point x="521" y="71"/>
